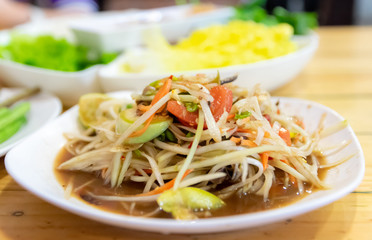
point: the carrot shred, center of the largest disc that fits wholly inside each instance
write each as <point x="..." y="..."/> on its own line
<point x="161" y="93"/>
<point x="165" y="187"/>
<point x="285" y="135"/>
<point x="235" y="140"/>
<point x="265" y="159"/>
<point x="144" y="108"/>
<point x="267" y="135"/>
<point x="231" y="116"/>
<point x="244" y="130"/>
<point x="249" y="143"/>
<point x="143" y="130"/>
<point x="300" y="123"/>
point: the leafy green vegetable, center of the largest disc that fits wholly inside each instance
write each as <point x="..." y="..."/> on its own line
<point x="46" y="51"/>
<point x="301" y="22"/>
<point x="242" y="115"/>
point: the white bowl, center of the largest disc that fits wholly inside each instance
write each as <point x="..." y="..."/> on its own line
<point x="44" y="107"/>
<point x="114" y="31"/>
<point x="31" y="165"/>
<point x="270" y="74"/>
<point x="68" y="86"/>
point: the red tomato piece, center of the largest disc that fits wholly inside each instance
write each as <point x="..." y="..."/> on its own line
<point x="185" y="117"/>
<point x="223" y="100"/>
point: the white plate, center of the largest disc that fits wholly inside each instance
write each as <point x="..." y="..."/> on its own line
<point x="270" y="74"/>
<point x="44" y="107"/>
<point x="31" y="165"/>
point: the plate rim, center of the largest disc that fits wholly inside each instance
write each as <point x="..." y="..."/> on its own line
<point x="56" y="111"/>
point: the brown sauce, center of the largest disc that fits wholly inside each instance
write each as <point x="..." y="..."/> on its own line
<point x="235" y="204"/>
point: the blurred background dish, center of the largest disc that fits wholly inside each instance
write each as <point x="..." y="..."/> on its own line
<point x="95" y="39"/>
<point x="271" y="73"/>
<point x="46" y="56"/>
<point x="119" y="30"/>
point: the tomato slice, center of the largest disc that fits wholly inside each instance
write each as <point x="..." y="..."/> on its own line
<point x="185" y="117"/>
<point x="223" y="100"/>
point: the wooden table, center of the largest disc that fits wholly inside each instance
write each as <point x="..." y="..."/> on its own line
<point x="339" y="76"/>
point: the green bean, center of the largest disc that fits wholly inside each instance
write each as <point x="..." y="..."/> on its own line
<point x="11" y="129"/>
<point x="170" y="136"/>
<point x="17" y="112"/>
<point x="4" y="112"/>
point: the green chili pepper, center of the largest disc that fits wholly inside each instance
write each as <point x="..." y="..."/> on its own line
<point x="191" y="107"/>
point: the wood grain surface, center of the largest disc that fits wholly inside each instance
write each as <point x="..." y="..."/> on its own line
<point x="339" y="76"/>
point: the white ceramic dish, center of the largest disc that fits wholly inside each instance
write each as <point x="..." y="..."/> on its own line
<point x="68" y="86"/>
<point x="119" y="30"/>
<point x="44" y="107"/>
<point x="270" y="74"/>
<point x="31" y="165"/>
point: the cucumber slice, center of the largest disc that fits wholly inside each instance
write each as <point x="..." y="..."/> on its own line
<point x="157" y="127"/>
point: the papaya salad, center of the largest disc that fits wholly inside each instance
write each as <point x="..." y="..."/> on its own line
<point x="191" y="147"/>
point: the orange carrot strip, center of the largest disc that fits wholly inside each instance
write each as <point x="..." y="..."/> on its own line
<point x="143" y="130"/>
<point x="144" y="108"/>
<point x="235" y="140"/>
<point x="243" y="130"/>
<point x="285" y="135"/>
<point x="265" y="159"/>
<point x="249" y="143"/>
<point x="231" y="116"/>
<point x="267" y="135"/>
<point x="300" y="123"/>
<point x="161" y="93"/>
<point x="165" y="187"/>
